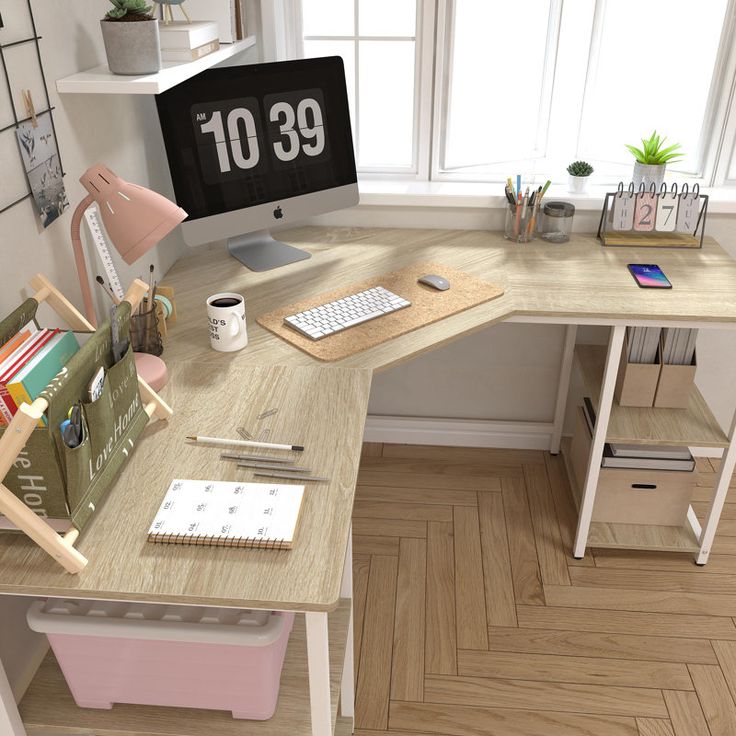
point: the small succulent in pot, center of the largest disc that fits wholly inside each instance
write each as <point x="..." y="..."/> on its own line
<point x="131" y="38"/>
<point x="129" y="10"/>
<point x="579" y="172"/>
<point x="651" y="160"/>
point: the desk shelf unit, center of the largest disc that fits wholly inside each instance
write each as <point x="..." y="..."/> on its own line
<point x="48" y="706"/>
<point x="693" y="427"/>
<point x="100" y="80"/>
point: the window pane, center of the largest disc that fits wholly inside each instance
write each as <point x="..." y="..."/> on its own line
<point x="386" y="103"/>
<point x="649" y="80"/>
<point x="328" y="17"/>
<point x="345" y="49"/>
<point x="387" y="17"/>
<point x="496" y="82"/>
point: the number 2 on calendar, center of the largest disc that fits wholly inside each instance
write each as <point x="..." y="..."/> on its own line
<point x="645" y="212"/>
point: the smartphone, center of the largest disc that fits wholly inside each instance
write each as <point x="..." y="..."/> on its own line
<point x="649" y="276"/>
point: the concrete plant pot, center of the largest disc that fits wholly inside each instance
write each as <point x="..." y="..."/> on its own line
<point x="132" y="47"/>
<point x="648" y="174"/>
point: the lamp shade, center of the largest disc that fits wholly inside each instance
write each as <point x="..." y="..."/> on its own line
<point x="135" y="217"/>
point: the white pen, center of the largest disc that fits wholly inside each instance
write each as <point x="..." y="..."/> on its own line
<point x="244" y="443"/>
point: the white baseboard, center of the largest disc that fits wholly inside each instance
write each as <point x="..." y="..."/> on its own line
<point x="458" y="432"/>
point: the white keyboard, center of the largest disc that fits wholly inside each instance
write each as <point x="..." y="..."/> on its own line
<point x="327" y="319"/>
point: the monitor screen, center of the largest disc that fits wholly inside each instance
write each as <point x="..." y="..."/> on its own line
<point x="242" y="136"/>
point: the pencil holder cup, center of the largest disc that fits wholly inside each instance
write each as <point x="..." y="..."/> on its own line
<point x="144" y="331"/>
<point x="521" y="225"/>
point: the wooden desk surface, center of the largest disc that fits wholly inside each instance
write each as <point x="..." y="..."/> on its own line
<point x="578" y="279"/>
<point x="324" y="405"/>
<point x="323" y="410"/>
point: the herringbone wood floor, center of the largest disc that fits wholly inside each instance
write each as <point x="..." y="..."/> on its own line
<point x="472" y="618"/>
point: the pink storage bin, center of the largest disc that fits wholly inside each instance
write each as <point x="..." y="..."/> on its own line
<point x="212" y="658"/>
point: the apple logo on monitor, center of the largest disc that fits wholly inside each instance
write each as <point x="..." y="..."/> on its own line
<point x="278" y="213"/>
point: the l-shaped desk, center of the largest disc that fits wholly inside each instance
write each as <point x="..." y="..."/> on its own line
<point x="323" y="406"/>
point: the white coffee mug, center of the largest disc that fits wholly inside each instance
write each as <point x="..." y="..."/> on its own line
<point x="226" y="318"/>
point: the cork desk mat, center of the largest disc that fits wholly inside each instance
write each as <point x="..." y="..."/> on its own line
<point x="427" y="306"/>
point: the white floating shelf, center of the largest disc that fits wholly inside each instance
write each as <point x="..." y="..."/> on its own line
<point x="101" y="81"/>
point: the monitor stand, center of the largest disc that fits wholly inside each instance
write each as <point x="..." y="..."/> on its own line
<point x="258" y="251"/>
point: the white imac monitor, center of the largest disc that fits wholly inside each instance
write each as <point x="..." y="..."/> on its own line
<point x="250" y="147"/>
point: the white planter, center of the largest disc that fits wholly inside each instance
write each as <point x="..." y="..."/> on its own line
<point x="132" y="47"/>
<point x="577" y="184"/>
<point x="648" y="174"/>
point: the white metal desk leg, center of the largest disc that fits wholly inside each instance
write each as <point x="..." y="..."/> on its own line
<point x="563" y="386"/>
<point x="10" y="721"/>
<point x="728" y="461"/>
<point x="347" y="684"/>
<point x="605" y="400"/>
<point x="318" y="663"/>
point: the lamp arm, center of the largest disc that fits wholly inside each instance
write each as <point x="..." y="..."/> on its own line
<point x="89" y="307"/>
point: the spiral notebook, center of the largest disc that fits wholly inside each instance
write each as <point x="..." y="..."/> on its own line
<point x="213" y="513"/>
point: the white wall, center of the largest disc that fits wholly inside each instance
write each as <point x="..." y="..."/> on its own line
<point x="120" y="131"/>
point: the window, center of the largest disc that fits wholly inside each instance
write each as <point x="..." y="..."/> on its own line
<point x="475" y="90"/>
<point x="377" y="41"/>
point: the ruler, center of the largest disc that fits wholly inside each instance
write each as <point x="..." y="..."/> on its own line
<point x="92" y="216"/>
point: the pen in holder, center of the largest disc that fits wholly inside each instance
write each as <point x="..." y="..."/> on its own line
<point x="144" y="332"/>
<point x="521" y="222"/>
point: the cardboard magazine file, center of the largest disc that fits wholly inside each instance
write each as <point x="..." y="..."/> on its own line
<point x="676" y="384"/>
<point x="636" y="383"/>
<point x="40" y="476"/>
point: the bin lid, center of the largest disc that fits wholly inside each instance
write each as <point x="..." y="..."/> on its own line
<point x="154" y="621"/>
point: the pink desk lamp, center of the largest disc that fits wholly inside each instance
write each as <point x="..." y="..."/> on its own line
<point x="135" y="219"/>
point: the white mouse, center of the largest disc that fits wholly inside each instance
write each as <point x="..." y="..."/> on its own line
<point x="436" y="282"/>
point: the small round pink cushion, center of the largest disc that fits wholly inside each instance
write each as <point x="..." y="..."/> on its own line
<point x="152" y="370"/>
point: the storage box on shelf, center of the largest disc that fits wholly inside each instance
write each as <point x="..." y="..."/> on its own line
<point x="636" y="383"/>
<point x="632" y="496"/>
<point x="676" y="383"/>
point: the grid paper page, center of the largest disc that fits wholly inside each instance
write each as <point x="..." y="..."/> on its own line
<point x="229" y="511"/>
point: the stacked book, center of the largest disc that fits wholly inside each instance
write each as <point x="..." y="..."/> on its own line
<point x="229" y="15"/>
<point x="643" y="343"/>
<point x="639" y="457"/>
<point x="181" y="41"/>
<point x="678" y="345"/>
<point x="28" y="362"/>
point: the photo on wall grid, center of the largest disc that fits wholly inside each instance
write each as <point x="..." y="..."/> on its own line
<point x="43" y="169"/>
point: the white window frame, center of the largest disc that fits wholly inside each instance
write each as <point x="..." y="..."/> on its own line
<point x="431" y="93"/>
<point x="423" y="71"/>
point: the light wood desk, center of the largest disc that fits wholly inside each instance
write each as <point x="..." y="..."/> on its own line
<point x="577" y="283"/>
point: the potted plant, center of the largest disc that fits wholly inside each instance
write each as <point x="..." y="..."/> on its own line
<point x="579" y="172"/>
<point x="131" y="38"/>
<point x="652" y="159"/>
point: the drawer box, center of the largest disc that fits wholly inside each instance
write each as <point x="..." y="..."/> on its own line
<point x="659" y="497"/>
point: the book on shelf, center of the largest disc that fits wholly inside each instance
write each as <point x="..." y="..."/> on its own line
<point x="185" y="55"/>
<point x="183" y="36"/>
<point x="639" y="457"/>
<point x="643" y="343"/>
<point x="228" y="14"/>
<point x="210" y="513"/>
<point x="678" y="345"/>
